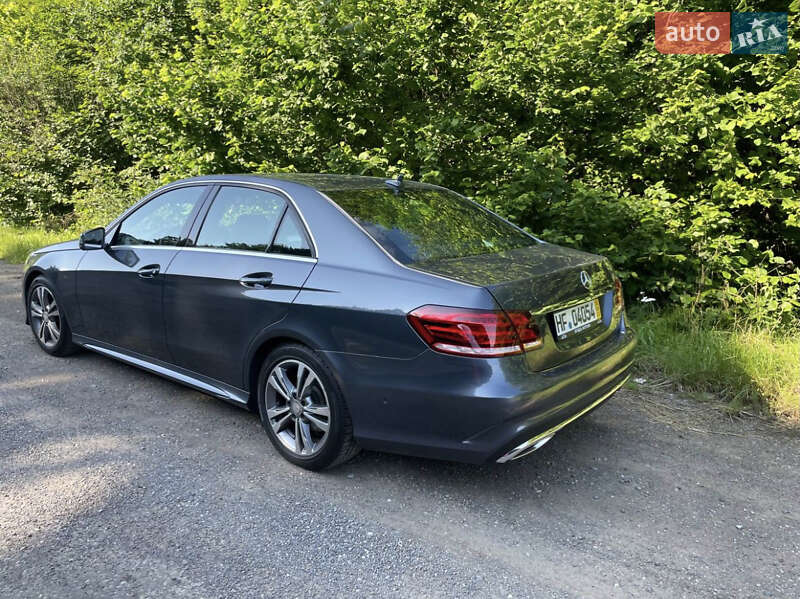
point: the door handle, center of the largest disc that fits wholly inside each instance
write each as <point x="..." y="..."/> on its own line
<point x="256" y="280"/>
<point x="149" y="271"/>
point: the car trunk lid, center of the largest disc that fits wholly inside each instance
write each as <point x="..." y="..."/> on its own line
<point x="542" y="279"/>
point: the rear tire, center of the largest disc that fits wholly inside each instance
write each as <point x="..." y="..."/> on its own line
<point x="302" y="409"/>
<point x="48" y="320"/>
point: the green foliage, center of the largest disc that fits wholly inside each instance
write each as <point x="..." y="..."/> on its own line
<point x="102" y="194"/>
<point x="51" y="125"/>
<point x="562" y="116"/>
<point x="749" y="366"/>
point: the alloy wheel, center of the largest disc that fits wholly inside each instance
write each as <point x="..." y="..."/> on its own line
<point x="45" y="316"/>
<point x="297" y="407"/>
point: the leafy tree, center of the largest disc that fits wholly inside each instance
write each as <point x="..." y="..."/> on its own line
<point x="561" y="116"/>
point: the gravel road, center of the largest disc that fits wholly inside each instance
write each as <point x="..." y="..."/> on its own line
<point x="116" y="483"/>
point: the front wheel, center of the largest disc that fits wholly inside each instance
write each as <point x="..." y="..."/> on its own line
<point x="48" y="321"/>
<point x="302" y="409"/>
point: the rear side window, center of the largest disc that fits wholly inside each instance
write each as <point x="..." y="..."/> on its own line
<point x="160" y="221"/>
<point x="291" y="237"/>
<point x="241" y="218"/>
<point x="417" y="226"/>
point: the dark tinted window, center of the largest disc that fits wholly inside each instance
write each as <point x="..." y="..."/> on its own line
<point x="161" y="220"/>
<point x="421" y="225"/>
<point x="291" y="237"/>
<point x="241" y="218"/>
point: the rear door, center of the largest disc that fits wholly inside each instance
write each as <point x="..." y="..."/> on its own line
<point x="119" y="288"/>
<point x="250" y="257"/>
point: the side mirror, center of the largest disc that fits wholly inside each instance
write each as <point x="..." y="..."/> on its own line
<point x="93" y="239"/>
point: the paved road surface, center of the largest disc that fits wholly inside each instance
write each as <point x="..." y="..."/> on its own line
<point x="116" y="483"/>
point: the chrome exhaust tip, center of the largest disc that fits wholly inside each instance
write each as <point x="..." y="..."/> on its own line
<point x="526" y="448"/>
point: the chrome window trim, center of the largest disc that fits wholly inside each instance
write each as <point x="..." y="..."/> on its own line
<point x="153" y="246"/>
<point x="221" y="183"/>
<point x="253" y="253"/>
<point x="250" y="253"/>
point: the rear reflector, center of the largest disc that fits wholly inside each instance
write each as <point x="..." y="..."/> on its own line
<point x="482" y="333"/>
<point x="619" y="298"/>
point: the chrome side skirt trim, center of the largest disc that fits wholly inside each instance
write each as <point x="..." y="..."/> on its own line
<point x="170" y="374"/>
<point x="539" y="440"/>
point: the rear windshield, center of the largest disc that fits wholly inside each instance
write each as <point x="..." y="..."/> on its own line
<point x="417" y="226"/>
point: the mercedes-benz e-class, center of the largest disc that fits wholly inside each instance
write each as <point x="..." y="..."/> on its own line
<point x="349" y="312"/>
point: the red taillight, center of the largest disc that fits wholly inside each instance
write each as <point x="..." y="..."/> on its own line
<point x="467" y="332"/>
<point x="619" y="298"/>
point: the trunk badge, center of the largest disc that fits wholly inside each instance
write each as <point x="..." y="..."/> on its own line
<point x="586" y="280"/>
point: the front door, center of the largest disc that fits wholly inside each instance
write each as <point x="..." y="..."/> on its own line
<point x="120" y="288"/>
<point x="249" y="262"/>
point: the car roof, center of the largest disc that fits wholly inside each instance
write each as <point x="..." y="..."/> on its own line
<point x="320" y="181"/>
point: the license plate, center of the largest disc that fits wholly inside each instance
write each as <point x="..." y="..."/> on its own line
<point x="577" y="318"/>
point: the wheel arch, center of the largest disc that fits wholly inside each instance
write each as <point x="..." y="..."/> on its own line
<point x="32" y="273"/>
<point x="260" y="349"/>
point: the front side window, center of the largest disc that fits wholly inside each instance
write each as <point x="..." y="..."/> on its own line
<point x="241" y="218"/>
<point x="160" y="221"/>
<point x="422" y="225"/>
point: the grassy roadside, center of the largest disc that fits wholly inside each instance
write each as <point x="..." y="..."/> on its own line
<point x="16" y="242"/>
<point x="747" y="366"/>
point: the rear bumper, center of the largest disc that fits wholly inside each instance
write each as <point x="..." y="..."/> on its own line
<point x="474" y="410"/>
<point x="539" y="439"/>
<point x="571" y="413"/>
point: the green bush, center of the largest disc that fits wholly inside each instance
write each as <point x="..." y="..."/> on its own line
<point x="102" y="194"/>
<point x="560" y="115"/>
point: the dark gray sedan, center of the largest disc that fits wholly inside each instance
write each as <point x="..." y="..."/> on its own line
<point x="351" y="312"/>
